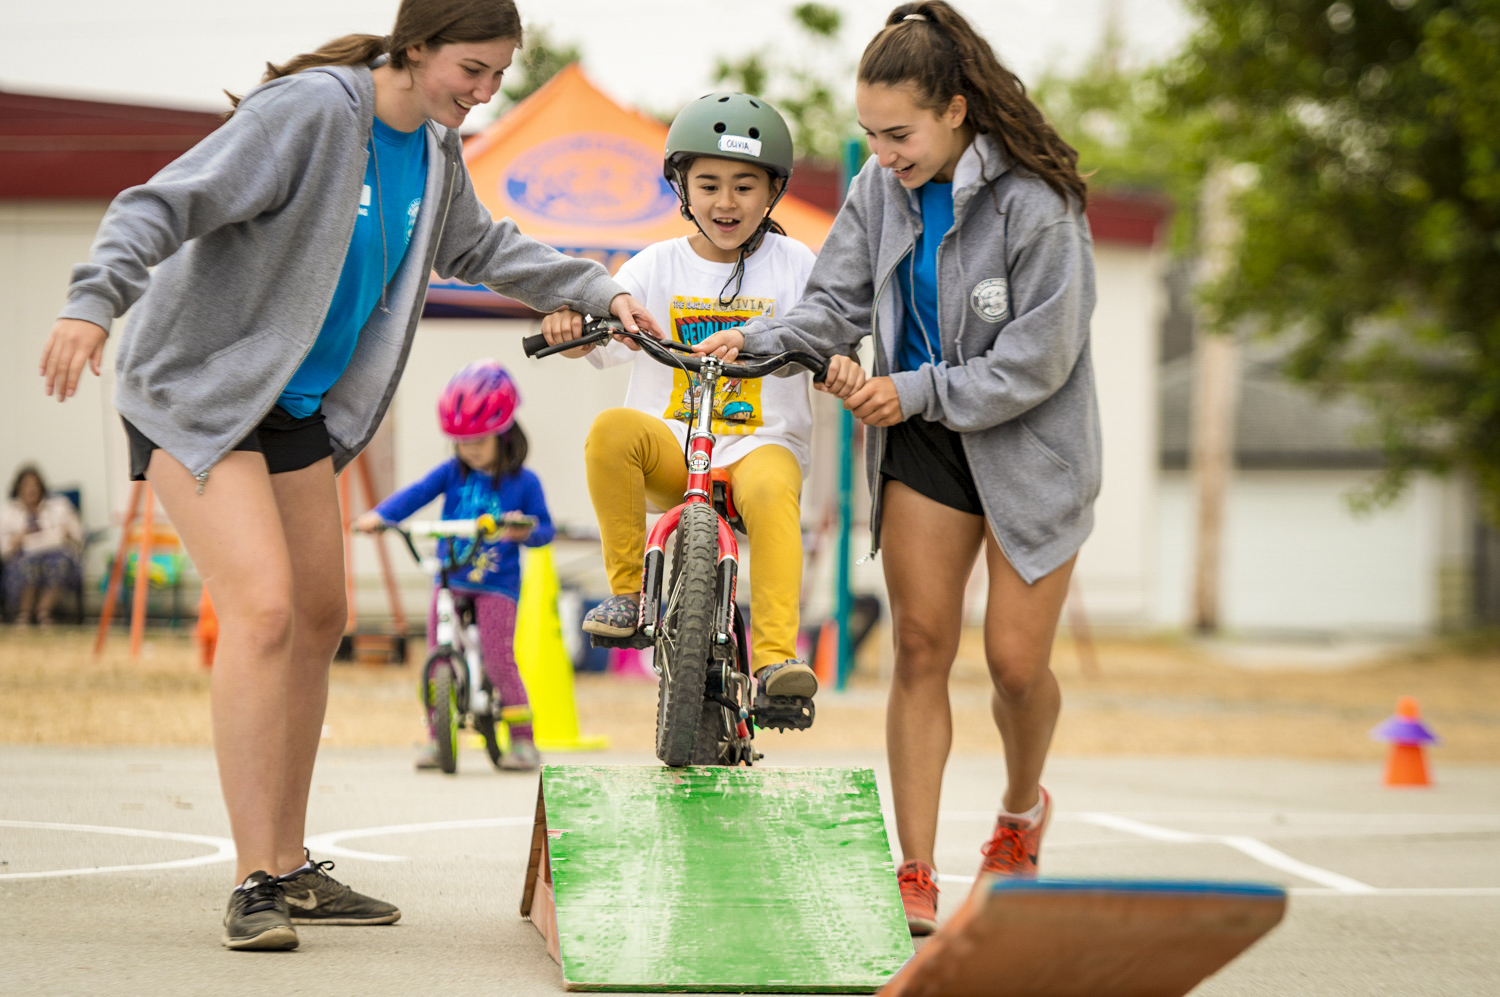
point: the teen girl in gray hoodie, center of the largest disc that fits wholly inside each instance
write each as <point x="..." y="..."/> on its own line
<point x="963" y="249"/>
<point x="291" y="250"/>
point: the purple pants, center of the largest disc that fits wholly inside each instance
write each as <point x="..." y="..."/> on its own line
<point x="496" y="615"/>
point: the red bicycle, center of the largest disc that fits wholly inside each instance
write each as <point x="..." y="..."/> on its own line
<point x="708" y="703"/>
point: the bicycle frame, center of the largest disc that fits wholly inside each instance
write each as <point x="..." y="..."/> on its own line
<point x="452" y="631"/>
<point x="700" y="452"/>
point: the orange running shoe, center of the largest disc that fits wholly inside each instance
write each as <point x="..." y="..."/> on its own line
<point x="1013" y="849"/>
<point x="919" y="895"/>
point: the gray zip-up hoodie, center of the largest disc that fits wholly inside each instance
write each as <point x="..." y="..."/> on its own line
<point x="248" y="231"/>
<point x="1016" y="289"/>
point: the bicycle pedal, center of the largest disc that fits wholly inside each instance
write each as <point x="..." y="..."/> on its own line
<point x="636" y="640"/>
<point x="783" y="712"/>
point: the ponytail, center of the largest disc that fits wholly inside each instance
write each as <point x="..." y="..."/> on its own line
<point x="429" y="23"/>
<point x="931" y="49"/>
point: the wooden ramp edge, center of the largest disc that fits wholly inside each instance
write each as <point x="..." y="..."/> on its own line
<point x="1090" y="938"/>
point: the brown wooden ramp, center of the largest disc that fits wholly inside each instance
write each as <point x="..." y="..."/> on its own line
<point x="1090" y="938"/>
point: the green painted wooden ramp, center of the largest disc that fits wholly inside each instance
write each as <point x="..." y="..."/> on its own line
<point x="742" y="880"/>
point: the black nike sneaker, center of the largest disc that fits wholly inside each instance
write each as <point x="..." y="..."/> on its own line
<point x="257" y="918"/>
<point x="314" y="897"/>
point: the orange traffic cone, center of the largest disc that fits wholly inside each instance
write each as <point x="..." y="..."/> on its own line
<point x="1408" y="736"/>
<point x="207" y="632"/>
<point x="826" y="654"/>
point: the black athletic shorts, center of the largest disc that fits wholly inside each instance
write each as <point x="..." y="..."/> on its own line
<point x="288" y="443"/>
<point x="928" y="458"/>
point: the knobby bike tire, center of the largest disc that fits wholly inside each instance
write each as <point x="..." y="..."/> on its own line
<point x="688" y="633"/>
<point x="443" y="709"/>
<point x="710" y="740"/>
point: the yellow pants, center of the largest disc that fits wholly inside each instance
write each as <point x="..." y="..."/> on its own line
<point x="632" y="456"/>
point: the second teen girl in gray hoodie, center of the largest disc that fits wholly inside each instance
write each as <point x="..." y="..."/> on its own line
<point x="962" y="249"/>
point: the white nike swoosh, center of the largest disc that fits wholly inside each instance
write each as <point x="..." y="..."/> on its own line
<point x="308" y="904"/>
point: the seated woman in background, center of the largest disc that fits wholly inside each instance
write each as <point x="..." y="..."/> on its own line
<point x="40" y="545"/>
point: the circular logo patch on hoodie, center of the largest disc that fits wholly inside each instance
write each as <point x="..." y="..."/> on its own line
<point x="990" y="299"/>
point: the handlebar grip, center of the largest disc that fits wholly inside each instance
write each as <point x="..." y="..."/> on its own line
<point x="534" y="344"/>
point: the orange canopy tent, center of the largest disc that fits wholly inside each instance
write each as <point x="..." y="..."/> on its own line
<point x="579" y="172"/>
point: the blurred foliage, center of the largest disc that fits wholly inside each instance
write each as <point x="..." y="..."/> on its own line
<point x="806" y="93"/>
<point x="1127" y="137"/>
<point x="1371" y="229"/>
<point x="538" y="60"/>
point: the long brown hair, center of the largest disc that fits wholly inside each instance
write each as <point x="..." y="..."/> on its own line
<point x="432" y="23"/>
<point x="939" y="56"/>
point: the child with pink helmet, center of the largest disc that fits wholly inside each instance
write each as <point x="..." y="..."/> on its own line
<point x="477" y="410"/>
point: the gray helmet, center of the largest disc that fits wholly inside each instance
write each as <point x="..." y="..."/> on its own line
<point x="730" y="126"/>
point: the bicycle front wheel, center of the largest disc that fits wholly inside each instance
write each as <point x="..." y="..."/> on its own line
<point x="686" y="635"/>
<point x="442" y="712"/>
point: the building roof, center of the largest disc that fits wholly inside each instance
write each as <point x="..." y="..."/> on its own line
<point x="57" y="147"/>
<point x="1278" y="424"/>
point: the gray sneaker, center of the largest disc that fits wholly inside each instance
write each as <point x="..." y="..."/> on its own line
<point x="428" y="758"/>
<point x="792" y="677"/>
<point x="522" y="757"/>
<point x="257" y="917"/>
<point x="616" y="616"/>
<point x="318" y="898"/>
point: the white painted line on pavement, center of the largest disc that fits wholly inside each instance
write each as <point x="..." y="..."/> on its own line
<point x="224" y="849"/>
<point x="1253" y="847"/>
<point x="329" y="842"/>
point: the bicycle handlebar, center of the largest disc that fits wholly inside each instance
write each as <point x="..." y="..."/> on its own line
<point x="663" y="350"/>
<point x="482" y="529"/>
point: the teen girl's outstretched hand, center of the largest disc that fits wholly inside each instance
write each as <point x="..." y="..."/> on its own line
<point x="725" y="345"/>
<point x="635" y="317"/>
<point x="72" y="344"/>
<point x="875" y="403"/>
<point x="844" y="377"/>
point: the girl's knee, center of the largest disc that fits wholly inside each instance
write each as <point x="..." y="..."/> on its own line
<point x="1017" y="676"/>
<point x="261" y="618"/>
<point x="923" y="647"/>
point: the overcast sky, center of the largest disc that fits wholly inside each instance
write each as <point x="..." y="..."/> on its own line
<point x="655" y="54"/>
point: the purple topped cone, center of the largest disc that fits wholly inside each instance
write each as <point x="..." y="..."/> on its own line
<point x="1405" y="726"/>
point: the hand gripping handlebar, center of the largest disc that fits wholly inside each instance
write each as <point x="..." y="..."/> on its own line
<point x="666" y="352"/>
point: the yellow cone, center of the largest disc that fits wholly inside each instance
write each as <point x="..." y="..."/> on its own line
<point x="543" y="659"/>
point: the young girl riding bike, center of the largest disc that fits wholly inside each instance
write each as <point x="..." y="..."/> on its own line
<point x="729" y="157"/>
<point x="291" y="252"/>
<point x="964" y="250"/>
<point x="485" y="475"/>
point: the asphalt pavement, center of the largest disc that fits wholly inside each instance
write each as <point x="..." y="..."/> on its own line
<point x="114" y="869"/>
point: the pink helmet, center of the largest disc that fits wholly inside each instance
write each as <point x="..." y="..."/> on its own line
<point x="479" y="401"/>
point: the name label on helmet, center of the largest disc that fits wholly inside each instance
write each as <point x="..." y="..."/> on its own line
<point x="740" y="143"/>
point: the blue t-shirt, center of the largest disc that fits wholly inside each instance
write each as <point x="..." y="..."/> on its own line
<point x="467" y="495"/>
<point x="918" y="275"/>
<point x="368" y="267"/>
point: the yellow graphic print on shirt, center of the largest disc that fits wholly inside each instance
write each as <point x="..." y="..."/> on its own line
<point x="737" y="408"/>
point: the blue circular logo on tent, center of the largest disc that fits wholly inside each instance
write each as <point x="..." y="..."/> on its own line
<point x="592" y="178"/>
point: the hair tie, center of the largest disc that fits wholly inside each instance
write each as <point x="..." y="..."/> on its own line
<point x="915" y="17"/>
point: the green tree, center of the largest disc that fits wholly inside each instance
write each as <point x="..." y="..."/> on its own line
<point x="538" y="60"/>
<point x="1371" y="236"/>
<point x="807" y="94"/>
<point x="1118" y="118"/>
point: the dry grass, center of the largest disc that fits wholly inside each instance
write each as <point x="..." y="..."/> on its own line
<point x="1151" y="697"/>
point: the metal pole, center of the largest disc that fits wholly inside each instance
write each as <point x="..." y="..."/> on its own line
<point x="854" y="157"/>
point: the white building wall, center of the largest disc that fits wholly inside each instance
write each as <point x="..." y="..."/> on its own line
<point x="1298" y="559"/>
<point x="79" y="443"/>
<point x="1115" y="569"/>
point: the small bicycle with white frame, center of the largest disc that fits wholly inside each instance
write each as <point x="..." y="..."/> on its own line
<point x="453" y="687"/>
